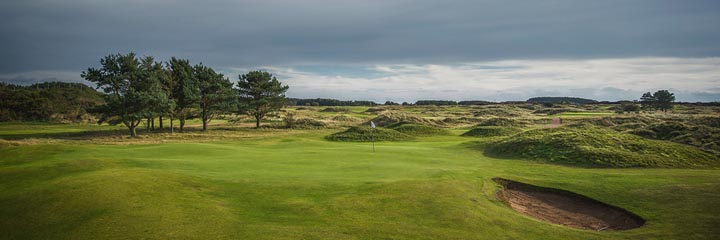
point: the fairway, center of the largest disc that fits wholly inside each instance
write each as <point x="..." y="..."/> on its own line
<point x="297" y="185"/>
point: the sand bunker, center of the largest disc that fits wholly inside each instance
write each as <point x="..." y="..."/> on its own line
<point x="565" y="208"/>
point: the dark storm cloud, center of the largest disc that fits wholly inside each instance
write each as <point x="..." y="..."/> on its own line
<point x="44" y="39"/>
<point x="73" y="34"/>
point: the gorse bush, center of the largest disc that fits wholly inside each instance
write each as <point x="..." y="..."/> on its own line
<point x="598" y="147"/>
<point x="366" y="134"/>
<point x="491" y="131"/>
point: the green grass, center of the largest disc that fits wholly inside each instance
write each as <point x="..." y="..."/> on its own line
<point x="301" y="186"/>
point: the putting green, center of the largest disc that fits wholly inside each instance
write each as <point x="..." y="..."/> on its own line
<point x="300" y="186"/>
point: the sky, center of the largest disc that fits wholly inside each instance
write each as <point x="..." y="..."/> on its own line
<point x="380" y="50"/>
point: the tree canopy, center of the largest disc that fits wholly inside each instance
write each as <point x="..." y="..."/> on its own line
<point x="260" y="93"/>
<point x="216" y="93"/>
<point x="132" y="89"/>
<point x="661" y="100"/>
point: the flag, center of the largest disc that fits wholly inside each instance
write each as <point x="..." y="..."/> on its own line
<point x="372" y="124"/>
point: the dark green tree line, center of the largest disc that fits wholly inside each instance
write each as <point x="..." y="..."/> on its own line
<point x="138" y="89"/>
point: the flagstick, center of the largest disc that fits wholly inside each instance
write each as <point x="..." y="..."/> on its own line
<point x="372" y="137"/>
<point x="372" y="134"/>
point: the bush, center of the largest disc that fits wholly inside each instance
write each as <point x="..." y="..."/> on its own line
<point x="418" y="130"/>
<point x="597" y="147"/>
<point x="366" y="134"/>
<point x="491" y="131"/>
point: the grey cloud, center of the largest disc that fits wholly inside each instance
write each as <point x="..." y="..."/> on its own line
<point x="73" y="34"/>
<point x="69" y="36"/>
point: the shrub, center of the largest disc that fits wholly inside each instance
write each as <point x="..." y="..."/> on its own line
<point x="365" y="134"/>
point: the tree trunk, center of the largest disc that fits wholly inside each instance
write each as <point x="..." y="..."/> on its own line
<point x="161" y="124"/>
<point x="182" y="124"/>
<point x="204" y="125"/>
<point x="257" y="122"/>
<point x="147" y="126"/>
<point x="172" y="130"/>
<point x="133" y="133"/>
<point x="152" y="123"/>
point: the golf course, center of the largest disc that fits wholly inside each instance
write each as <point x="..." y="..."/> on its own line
<point x="233" y="181"/>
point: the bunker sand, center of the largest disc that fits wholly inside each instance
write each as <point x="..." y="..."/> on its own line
<point x="565" y="208"/>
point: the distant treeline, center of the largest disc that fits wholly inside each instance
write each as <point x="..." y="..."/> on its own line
<point x="573" y="100"/>
<point x="446" y="102"/>
<point x="335" y="102"/>
<point x="327" y="102"/>
<point x="49" y="101"/>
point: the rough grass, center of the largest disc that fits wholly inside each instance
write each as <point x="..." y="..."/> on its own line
<point x="367" y="134"/>
<point x="419" y="130"/>
<point x="596" y="147"/>
<point x="502" y="122"/>
<point x="391" y="117"/>
<point x="491" y="131"/>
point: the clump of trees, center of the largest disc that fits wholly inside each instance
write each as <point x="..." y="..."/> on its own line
<point x="138" y="89"/>
<point x="48" y="101"/>
<point x="661" y="100"/>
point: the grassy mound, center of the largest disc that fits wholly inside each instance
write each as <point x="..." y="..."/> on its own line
<point x="305" y="123"/>
<point x="363" y="134"/>
<point x="491" y="131"/>
<point x="597" y="147"/>
<point x="389" y="118"/>
<point x="336" y="109"/>
<point x="418" y="129"/>
<point x="499" y="111"/>
<point x="700" y="132"/>
<point x="501" y="122"/>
